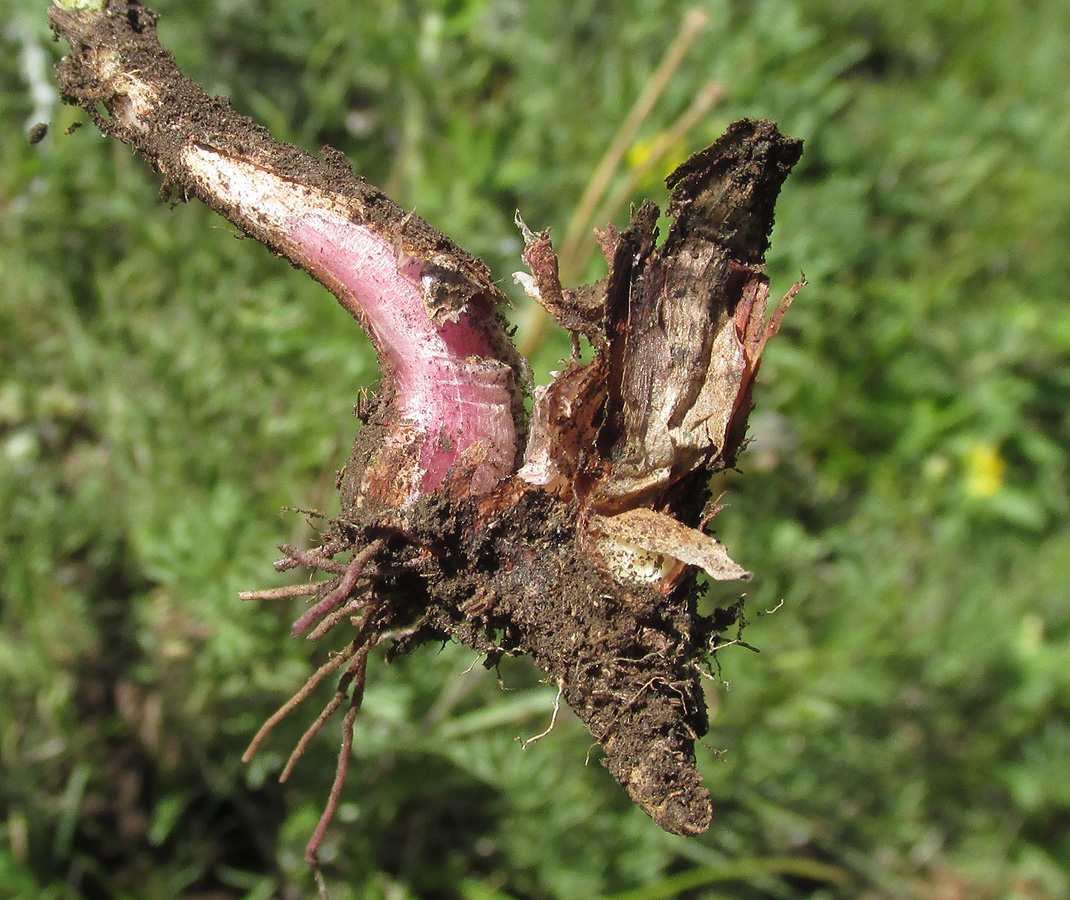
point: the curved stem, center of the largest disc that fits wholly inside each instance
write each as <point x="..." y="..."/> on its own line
<point x="452" y="405"/>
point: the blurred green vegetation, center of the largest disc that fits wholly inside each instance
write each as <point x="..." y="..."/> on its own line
<point x="166" y="389"/>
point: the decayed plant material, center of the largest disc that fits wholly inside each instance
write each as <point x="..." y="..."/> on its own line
<point x="574" y="537"/>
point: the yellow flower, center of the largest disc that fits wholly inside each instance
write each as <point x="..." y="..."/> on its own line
<point x="661" y="151"/>
<point x="639" y="153"/>
<point x="985" y="469"/>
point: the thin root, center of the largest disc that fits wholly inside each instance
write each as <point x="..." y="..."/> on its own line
<point x="290" y="705"/>
<point x="312" y="730"/>
<point x="350" y="576"/>
<point x="553" y="719"/>
<point x="281" y="593"/>
<point x="354" y="671"/>
<point x="312" y="850"/>
<point x="313" y="559"/>
<point x="349" y="610"/>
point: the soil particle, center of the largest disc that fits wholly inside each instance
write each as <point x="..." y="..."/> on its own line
<point x="623" y="657"/>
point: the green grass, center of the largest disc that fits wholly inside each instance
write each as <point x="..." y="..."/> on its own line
<point x="166" y="389"/>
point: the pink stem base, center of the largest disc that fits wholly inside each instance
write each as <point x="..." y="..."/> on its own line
<point x="451" y="395"/>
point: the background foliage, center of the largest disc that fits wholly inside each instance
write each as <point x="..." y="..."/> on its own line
<point x="165" y="389"/>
